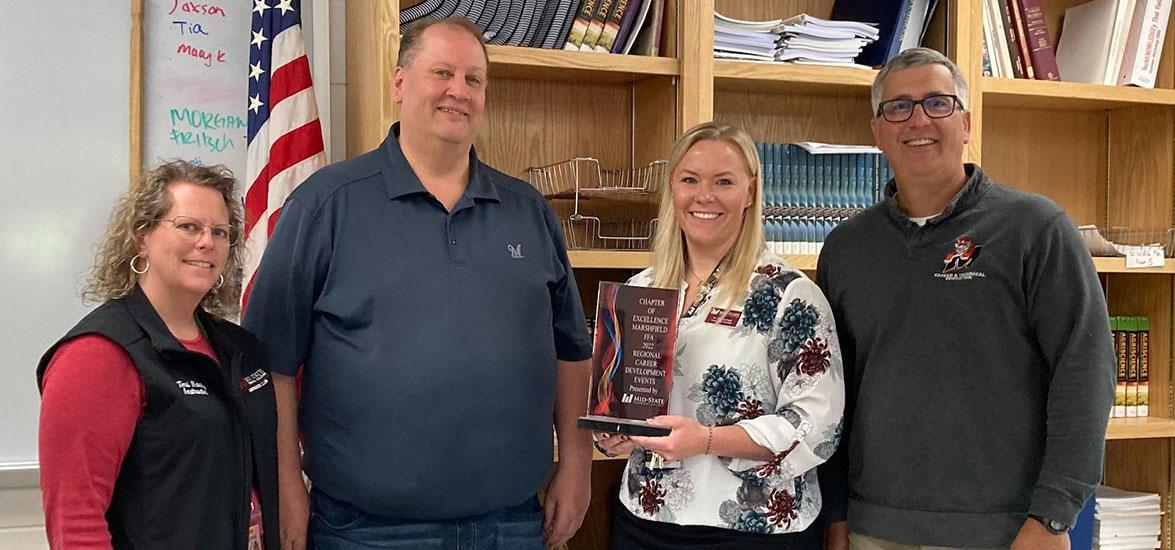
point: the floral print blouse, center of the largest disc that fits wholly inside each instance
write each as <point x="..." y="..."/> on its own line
<point x="774" y="369"/>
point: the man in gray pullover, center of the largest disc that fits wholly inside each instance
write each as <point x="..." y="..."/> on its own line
<point x="977" y="349"/>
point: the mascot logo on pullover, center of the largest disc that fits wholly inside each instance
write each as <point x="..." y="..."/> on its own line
<point x="964" y="254"/>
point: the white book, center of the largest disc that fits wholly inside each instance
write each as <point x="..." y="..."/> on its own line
<point x="1082" y="51"/>
<point x="1001" y="38"/>
<point x="993" y="52"/>
<point x="1122" y="16"/>
<point x="816" y="148"/>
<point x="1140" y="62"/>
<point x="916" y="19"/>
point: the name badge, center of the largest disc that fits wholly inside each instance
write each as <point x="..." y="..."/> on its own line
<point x="724" y="317"/>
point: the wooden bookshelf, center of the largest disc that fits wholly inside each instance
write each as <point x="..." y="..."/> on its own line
<point x="1105" y="154"/>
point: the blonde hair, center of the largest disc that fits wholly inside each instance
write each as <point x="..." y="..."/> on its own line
<point x="139" y="210"/>
<point x="669" y="249"/>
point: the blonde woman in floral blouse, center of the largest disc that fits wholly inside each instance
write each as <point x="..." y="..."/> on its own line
<point x="758" y="390"/>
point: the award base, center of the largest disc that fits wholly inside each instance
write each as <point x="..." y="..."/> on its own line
<point x="627" y="426"/>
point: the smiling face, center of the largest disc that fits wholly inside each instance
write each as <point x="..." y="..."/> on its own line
<point x="712" y="189"/>
<point x="923" y="149"/>
<point x="182" y="266"/>
<point x="442" y="92"/>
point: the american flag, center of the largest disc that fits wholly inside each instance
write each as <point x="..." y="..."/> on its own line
<point x="285" y="136"/>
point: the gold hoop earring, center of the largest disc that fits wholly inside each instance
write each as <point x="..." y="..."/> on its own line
<point x="136" y="269"/>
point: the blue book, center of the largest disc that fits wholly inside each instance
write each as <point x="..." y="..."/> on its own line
<point x="890" y="16"/>
<point x="764" y="172"/>
<point x="901" y="24"/>
<point x="786" y="173"/>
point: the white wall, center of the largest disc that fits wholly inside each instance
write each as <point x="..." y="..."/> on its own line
<point x="22" y="527"/>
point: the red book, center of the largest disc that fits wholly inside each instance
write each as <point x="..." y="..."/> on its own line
<point x="1009" y="28"/>
<point x="1018" y="27"/>
<point x="1040" y="47"/>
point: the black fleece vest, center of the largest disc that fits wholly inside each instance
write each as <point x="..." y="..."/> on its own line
<point x="206" y="432"/>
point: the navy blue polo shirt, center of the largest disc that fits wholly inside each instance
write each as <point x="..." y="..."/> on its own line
<point x="429" y="337"/>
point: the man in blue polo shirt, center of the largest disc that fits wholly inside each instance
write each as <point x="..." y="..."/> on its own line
<point x="431" y="305"/>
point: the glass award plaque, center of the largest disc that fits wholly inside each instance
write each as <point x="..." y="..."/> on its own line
<point x="632" y="359"/>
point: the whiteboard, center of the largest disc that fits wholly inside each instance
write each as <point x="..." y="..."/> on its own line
<point x="64" y="110"/>
<point x="66" y="90"/>
<point x="195" y="82"/>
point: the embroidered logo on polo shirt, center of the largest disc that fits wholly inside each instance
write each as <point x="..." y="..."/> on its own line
<point x="191" y="387"/>
<point x="958" y="262"/>
<point x="515" y="250"/>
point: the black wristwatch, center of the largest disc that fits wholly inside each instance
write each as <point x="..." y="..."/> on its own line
<point x="1055" y="527"/>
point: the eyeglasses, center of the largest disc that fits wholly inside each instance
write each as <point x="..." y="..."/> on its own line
<point x="194" y="229"/>
<point x="935" y="106"/>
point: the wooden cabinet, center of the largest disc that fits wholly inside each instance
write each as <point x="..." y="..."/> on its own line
<point x="1105" y="154"/>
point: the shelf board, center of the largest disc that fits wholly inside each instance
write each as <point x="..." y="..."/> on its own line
<point x="640" y="259"/>
<point x="513" y="62"/>
<point x="1069" y="96"/>
<point x="610" y="259"/>
<point x="753" y="76"/>
<point x="1118" y="265"/>
<point x="1150" y="427"/>
<point x="802" y="262"/>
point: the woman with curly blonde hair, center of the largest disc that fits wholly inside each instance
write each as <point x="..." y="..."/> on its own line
<point x="157" y="416"/>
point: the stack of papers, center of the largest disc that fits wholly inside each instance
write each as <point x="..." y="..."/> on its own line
<point x="1126" y="520"/>
<point x="802" y="39"/>
<point x="815" y="40"/>
<point x="746" y="40"/>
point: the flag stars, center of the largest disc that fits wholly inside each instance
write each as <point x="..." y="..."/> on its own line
<point x="285" y="6"/>
<point x="255" y="103"/>
<point x="259" y="7"/>
<point x="258" y="38"/>
<point x="255" y="71"/>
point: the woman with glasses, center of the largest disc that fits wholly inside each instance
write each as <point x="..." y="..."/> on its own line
<point x="157" y="416"/>
<point x="757" y="392"/>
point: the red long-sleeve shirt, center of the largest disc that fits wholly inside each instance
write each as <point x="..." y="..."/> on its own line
<point x="91" y="401"/>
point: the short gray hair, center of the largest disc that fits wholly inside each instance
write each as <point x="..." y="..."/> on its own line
<point x="917" y="57"/>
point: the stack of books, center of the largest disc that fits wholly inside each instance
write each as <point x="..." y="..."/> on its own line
<point x="1113" y="42"/>
<point x="802" y="39"/>
<point x="1016" y="41"/>
<point x="1126" y="520"/>
<point x="810" y="188"/>
<point x="601" y="26"/>
<point x="1132" y="346"/>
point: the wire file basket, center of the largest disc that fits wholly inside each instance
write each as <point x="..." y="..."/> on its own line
<point x="602" y="209"/>
<point x="1114" y="241"/>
